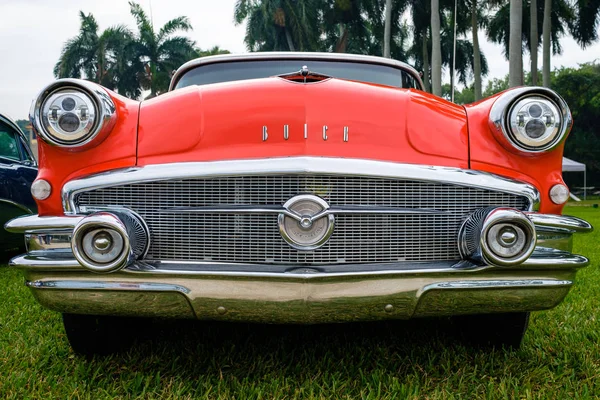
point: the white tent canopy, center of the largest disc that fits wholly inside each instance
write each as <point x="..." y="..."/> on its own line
<point x="569" y="165"/>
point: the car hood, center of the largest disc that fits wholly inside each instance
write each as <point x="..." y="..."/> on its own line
<point x="275" y="117"/>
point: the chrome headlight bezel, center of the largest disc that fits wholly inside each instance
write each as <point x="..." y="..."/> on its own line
<point x="93" y="109"/>
<point x="507" y="122"/>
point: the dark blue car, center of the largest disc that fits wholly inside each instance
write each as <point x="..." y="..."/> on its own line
<point x="18" y="169"/>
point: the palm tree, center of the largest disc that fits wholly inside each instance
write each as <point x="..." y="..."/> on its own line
<point x="476" y="51"/>
<point x="436" y="49"/>
<point x="546" y="42"/>
<point x="93" y="56"/>
<point x="279" y="25"/>
<point x="561" y="18"/>
<point x="515" y="48"/>
<point x="160" y="53"/>
<point x="464" y="61"/>
<point x="419" y="51"/>
<point x="212" y="52"/>
<point x="387" y="35"/>
<point x="586" y="22"/>
<point x="533" y="35"/>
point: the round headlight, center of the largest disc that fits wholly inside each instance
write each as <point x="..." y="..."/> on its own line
<point x="535" y="123"/>
<point x="530" y="119"/>
<point x="41" y="189"/>
<point x="72" y="113"/>
<point x="68" y="116"/>
<point x="100" y="242"/>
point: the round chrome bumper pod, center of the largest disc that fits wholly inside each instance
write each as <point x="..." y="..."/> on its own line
<point x="497" y="236"/>
<point x="101" y="243"/>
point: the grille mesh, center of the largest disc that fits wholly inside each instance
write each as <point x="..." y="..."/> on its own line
<point x="255" y="238"/>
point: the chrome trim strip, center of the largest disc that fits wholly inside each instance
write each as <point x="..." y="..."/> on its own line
<point x="496" y="284"/>
<point x="43" y="242"/>
<point x="35" y="223"/>
<point x="567" y="222"/>
<point x="542" y="258"/>
<point x="224" y="209"/>
<point x="299" y="165"/>
<point x="164" y="287"/>
<point x="43" y="262"/>
<point x="288" y="55"/>
<point x="100" y="285"/>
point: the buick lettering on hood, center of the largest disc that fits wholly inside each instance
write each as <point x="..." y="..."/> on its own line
<point x="297" y="188"/>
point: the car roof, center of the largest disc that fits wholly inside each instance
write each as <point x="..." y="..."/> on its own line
<point x="12" y="124"/>
<point x="288" y="55"/>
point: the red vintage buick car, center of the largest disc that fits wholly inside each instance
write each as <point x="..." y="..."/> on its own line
<point x="297" y="188"/>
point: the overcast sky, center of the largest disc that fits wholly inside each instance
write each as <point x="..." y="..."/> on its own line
<point x="32" y="33"/>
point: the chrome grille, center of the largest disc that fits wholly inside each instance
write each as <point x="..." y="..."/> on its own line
<point x="254" y="238"/>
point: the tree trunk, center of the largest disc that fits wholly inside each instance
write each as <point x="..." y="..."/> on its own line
<point x="546" y="42"/>
<point x="426" y="62"/>
<point x="533" y="34"/>
<point x="515" y="45"/>
<point x="288" y="37"/>
<point x="476" y="52"/>
<point x="342" y="43"/>
<point x="436" y="49"/>
<point x="387" y="34"/>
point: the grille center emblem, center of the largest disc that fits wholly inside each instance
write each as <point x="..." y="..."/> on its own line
<point x="305" y="223"/>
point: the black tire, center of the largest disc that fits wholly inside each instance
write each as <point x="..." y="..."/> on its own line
<point x="496" y="330"/>
<point x="98" y="334"/>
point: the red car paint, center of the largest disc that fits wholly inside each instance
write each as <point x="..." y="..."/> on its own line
<point x="226" y="120"/>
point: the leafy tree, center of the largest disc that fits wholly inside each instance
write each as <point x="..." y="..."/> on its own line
<point x="159" y="53"/>
<point x="93" y="55"/>
<point x="561" y="19"/>
<point x="583" y="143"/>
<point x="279" y="25"/>
<point x="586" y="23"/>
<point x="211" y="52"/>
<point x="495" y="85"/>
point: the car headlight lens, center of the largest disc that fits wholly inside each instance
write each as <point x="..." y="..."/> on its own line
<point x="72" y="113"/>
<point x="535" y="123"/>
<point x="69" y="116"/>
<point x="530" y="119"/>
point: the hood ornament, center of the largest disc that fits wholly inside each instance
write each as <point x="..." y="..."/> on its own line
<point x="307" y="223"/>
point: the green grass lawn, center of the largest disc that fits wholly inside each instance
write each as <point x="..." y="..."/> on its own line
<point x="559" y="359"/>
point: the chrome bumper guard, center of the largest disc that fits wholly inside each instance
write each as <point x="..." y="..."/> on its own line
<point x="297" y="295"/>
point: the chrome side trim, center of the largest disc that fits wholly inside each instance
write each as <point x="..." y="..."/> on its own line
<point x="35" y="223"/>
<point x="42" y="262"/>
<point x="567" y="222"/>
<point x="497" y="284"/>
<point x="299" y="165"/>
<point x="288" y="55"/>
<point x="101" y="285"/>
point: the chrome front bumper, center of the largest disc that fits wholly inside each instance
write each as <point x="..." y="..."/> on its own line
<point x="302" y="298"/>
<point x="292" y="293"/>
<point x="297" y="295"/>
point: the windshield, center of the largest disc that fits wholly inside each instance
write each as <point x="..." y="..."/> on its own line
<point x="241" y="70"/>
